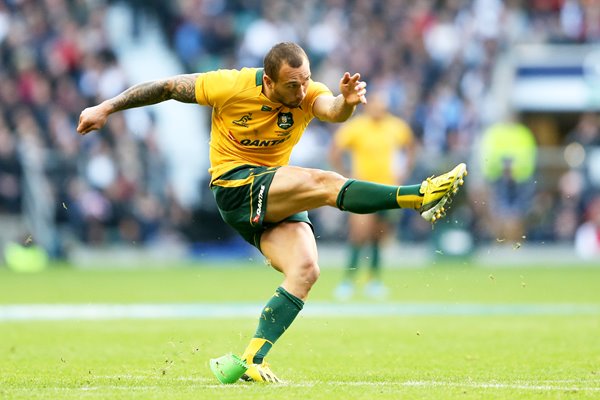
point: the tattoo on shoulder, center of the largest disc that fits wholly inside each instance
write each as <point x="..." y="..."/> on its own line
<point x="183" y="88"/>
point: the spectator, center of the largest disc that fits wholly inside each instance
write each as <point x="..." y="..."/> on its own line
<point x="10" y="173"/>
<point x="508" y="157"/>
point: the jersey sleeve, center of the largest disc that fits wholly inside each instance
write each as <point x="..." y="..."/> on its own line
<point x="315" y="89"/>
<point x="215" y="87"/>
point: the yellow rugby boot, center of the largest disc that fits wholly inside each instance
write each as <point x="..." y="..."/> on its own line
<point x="260" y="373"/>
<point x="438" y="192"/>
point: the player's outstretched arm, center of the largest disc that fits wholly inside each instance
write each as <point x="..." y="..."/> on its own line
<point x="179" y="87"/>
<point x="340" y="108"/>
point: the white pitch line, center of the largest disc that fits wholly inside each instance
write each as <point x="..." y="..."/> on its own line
<point x="546" y="384"/>
<point x="424" y="384"/>
<point x="29" y="312"/>
<point x="500" y="385"/>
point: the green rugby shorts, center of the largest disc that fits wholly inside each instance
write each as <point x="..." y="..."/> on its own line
<point x="241" y="195"/>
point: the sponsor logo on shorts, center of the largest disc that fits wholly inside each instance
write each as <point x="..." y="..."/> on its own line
<point x="259" y="205"/>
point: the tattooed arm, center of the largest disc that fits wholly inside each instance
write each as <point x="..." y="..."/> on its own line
<point x="179" y="87"/>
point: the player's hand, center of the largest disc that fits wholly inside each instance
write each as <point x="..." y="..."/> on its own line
<point x="92" y="118"/>
<point x="353" y="89"/>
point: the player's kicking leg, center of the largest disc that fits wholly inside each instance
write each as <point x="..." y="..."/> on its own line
<point x="296" y="189"/>
<point x="430" y="198"/>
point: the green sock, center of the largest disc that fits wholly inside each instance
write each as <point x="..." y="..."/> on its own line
<point x="375" y="260"/>
<point x="361" y="197"/>
<point x="277" y="315"/>
<point x="353" y="264"/>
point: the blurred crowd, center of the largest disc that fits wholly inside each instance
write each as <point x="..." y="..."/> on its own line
<point x="435" y="60"/>
<point x="55" y="60"/>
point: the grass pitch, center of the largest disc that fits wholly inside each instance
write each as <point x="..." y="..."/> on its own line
<point x="527" y="333"/>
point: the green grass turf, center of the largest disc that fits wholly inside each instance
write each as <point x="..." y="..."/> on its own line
<point x="213" y="282"/>
<point x="424" y="357"/>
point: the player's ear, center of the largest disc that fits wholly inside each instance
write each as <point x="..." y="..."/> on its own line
<point x="268" y="81"/>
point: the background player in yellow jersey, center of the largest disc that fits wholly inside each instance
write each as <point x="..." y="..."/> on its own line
<point x="257" y="117"/>
<point x="384" y="155"/>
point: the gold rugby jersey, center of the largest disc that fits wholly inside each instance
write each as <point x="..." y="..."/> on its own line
<point x="372" y="145"/>
<point x="247" y="127"/>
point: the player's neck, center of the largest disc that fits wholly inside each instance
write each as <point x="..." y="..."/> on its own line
<point x="268" y="93"/>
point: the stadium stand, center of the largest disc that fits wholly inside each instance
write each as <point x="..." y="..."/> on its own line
<point x="438" y="60"/>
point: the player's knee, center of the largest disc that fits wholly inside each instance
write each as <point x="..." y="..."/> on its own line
<point x="307" y="273"/>
<point x="329" y="183"/>
<point x="328" y="178"/>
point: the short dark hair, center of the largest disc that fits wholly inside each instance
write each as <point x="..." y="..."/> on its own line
<point x="283" y="53"/>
